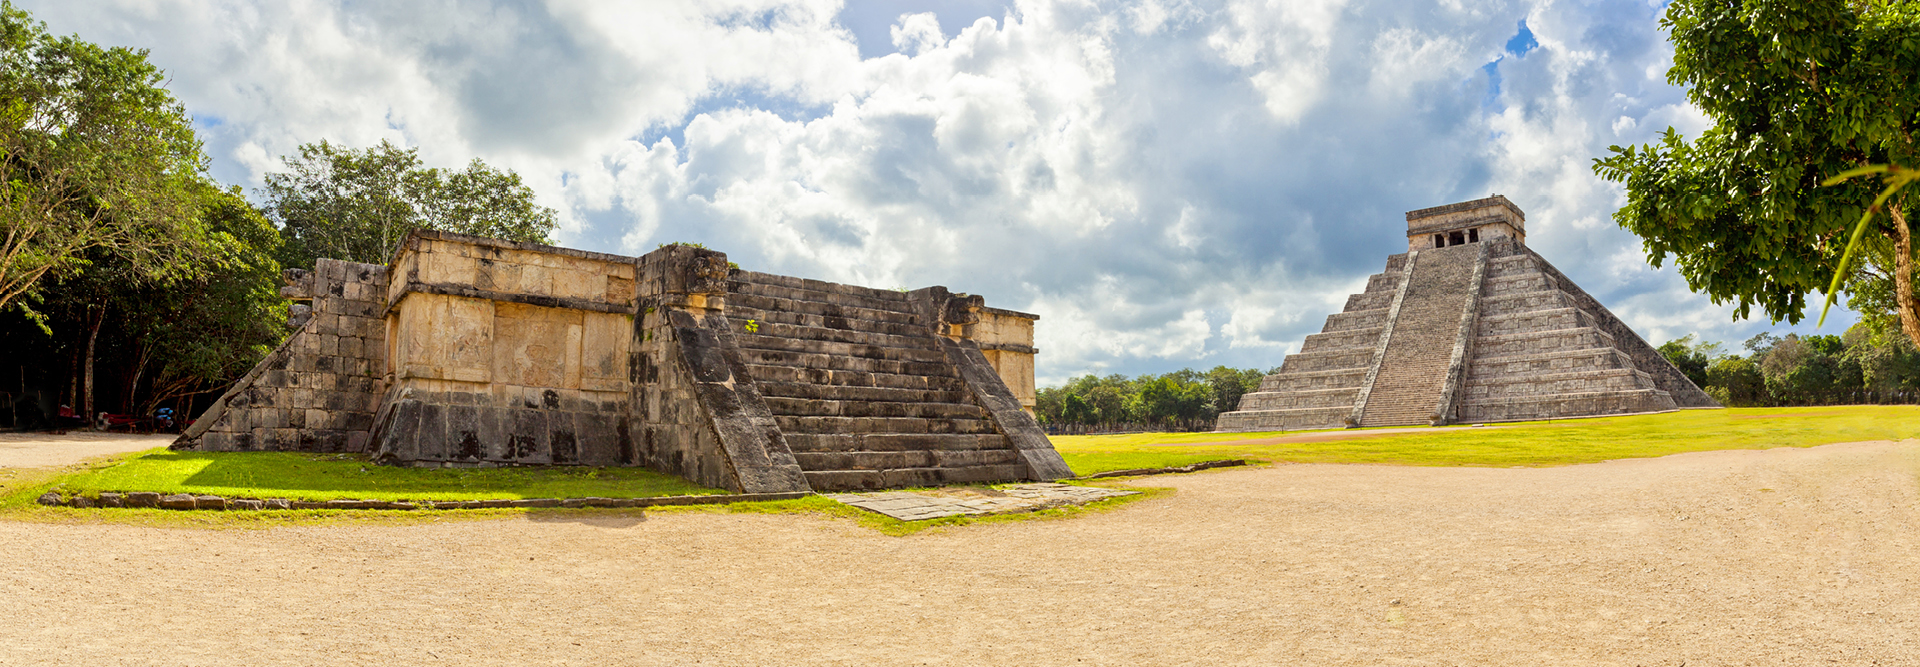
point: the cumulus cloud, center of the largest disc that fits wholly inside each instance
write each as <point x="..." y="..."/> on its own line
<point x="1169" y="183"/>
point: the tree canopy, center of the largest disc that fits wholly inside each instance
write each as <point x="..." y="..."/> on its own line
<point x="94" y="156"/>
<point x="357" y="205"/>
<point x="1798" y="91"/>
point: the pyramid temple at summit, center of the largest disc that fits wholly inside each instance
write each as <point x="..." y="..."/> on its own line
<point x="1468" y="326"/>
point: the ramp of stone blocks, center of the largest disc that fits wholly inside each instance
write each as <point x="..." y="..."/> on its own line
<point x="1542" y="353"/>
<point x="1317" y="387"/>
<point x="1417" y="357"/>
<point x="866" y="394"/>
<point x="316" y="392"/>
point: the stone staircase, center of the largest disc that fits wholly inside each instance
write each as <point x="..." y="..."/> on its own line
<point x="1538" y="355"/>
<point x="1414" y="370"/>
<point x="861" y="388"/>
<point x="1317" y="387"/>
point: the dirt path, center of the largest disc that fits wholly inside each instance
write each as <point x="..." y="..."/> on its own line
<point x="1787" y="556"/>
<point x="45" y="450"/>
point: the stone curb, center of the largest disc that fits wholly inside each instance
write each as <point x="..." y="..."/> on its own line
<point x="184" y="501"/>
<point x="1203" y="465"/>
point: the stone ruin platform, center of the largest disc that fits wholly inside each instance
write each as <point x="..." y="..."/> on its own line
<point x="1468" y="326"/>
<point x="470" y="351"/>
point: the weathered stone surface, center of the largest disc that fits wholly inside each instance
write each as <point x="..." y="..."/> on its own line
<point x="143" y="499"/>
<point x="1475" y="327"/>
<point x="80" y="501"/>
<point x="179" y="501"/>
<point x="112" y="500"/>
<point x="51" y="499"/>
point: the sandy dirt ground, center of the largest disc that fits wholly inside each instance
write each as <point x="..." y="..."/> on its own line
<point x="1779" y="557"/>
<point x="45" y="450"/>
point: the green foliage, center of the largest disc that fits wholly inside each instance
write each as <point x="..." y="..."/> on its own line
<point x="1861" y="366"/>
<point x="1561" y="442"/>
<point x="96" y="159"/>
<point x="1182" y="399"/>
<point x="328" y="477"/>
<point x="356" y="205"/>
<point x="1798" y="91"/>
<point x="1690" y="356"/>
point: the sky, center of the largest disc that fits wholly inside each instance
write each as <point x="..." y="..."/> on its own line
<point x="1168" y="184"/>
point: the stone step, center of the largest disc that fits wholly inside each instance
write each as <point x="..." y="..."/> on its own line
<point x="809" y="407"/>
<point x="939" y="458"/>
<point x="1334" y="379"/>
<point x="741" y="313"/>
<point x="792" y="282"/>
<point x="1359" y="319"/>
<point x="898" y="478"/>
<point x="1511" y="265"/>
<point x="1304" y="362"/>
<point x="1553" y="406"/>
<point x="1515" y="284"/>
<point x="893" y="442"/>
<point x="882" y="425"/>
<point x="1565" y="361"/>
<point x="829" y="392"/>
<point x="1396" y="262"/>
<point x="1248" y="421"/>
<point x="1527" y="386"/>
<point x="1342" y="340"/>
<point x="1369" y="301"/>
<point x="1383" y="282"/>
<point x="1550" y="319"/>
<point x="777" y="304"/>
<point x="836" y="298"/>
<point x="757" y="357"/>
<point x="1313" y="398"/>
<point x="1491" y="348"/>
<point x="1523" y="302"/>
<point x="917" y="338"/>
<point x="853" y="378"/>
<point x="761" y="342"/>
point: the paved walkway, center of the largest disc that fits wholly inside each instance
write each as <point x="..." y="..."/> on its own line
<point x="957" y="501"/>
<point x="46" y="450"/>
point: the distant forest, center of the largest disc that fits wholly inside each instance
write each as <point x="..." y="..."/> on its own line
<point x="1870" y="363"/>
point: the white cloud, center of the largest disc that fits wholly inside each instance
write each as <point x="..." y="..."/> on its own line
<point x="1167" y="182"/>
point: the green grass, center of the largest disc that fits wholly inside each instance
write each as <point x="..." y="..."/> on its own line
<point x="330" y="476"/>
<point x="1524" y="444"/>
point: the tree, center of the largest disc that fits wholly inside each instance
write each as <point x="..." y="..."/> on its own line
<point x="1798" y="91"/>
<point x="94" y="156"/>
<point x="1691" y="357"/>
<point x="357" y="205"/>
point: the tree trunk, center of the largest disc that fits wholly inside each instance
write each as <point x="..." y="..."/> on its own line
<point x="1903" y="275"/>
<point x="92" y="338"/>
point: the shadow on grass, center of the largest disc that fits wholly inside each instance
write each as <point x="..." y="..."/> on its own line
<point x="332" y="476"/>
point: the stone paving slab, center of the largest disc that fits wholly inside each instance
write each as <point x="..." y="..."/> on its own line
<point x="959" y="501"/>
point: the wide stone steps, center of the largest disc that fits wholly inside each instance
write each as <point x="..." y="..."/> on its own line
<point x="1491" y="348"/>
<point x="1415" y="366"/>
<point x="1383" y="282"/>
<point x="804" y="424"/>
<point x="1617" y="379"/>
<point x="1305" y="362"/>
<point x="1334" y="379"/>
<point x="1316" y="398"/>
<point x="765" y="375"/>
<point x="1349" y="340"/>
<point x="1566" y="361"/>
<point x="811" y="407"/>
<point x="1523" y="302"/>
<point x="873" y="300"/>
<point x="1368" y="301"/>
<point x="1554" y="406"/>
<point x="844" y="392"/>
<point x="1359" y="319"/>
<point x="1515" y="284"/>
<point x="1245" y="421"/>
<point x="843" y="363"/>
<point x="741" y="304"/>
<point x="1550" y="319"/>
<point x="861" y="389"/>
<point x="860" y="480"/>
<point x="741" y="314"/>
<point x="919" y="354"/>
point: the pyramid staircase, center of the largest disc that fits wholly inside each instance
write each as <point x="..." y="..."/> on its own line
<point x="1477" y="332"/>
<point x="858" y="383"/>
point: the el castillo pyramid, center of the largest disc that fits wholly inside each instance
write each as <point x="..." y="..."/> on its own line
<point x="1468" y="326"/>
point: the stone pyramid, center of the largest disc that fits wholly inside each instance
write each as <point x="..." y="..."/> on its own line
<point x="1468" y="326"/>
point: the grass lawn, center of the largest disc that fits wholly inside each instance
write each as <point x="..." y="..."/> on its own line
<point x="1522" y="444"/>
<point x="299" y="476"/>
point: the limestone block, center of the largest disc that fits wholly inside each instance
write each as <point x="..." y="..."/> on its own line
<point x="447" y="269"/>
<point x="536" y="346"/>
